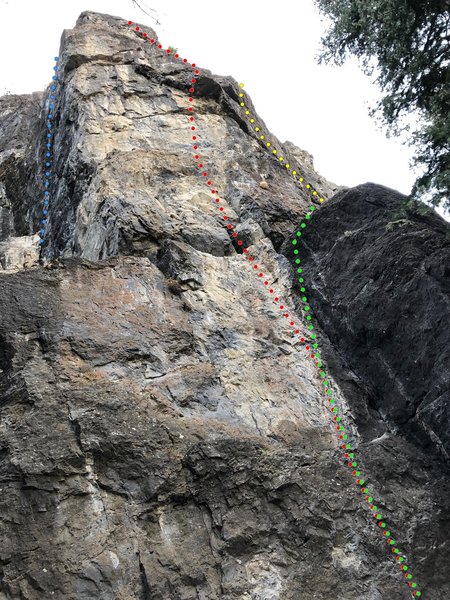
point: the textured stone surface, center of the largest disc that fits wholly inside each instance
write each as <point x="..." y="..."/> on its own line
<point x="162" y="435"/>
<point x="381" y="292"/>
<point x="19" y="252"/>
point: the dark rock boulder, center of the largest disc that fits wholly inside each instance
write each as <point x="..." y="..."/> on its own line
<point x="379" y="283"/>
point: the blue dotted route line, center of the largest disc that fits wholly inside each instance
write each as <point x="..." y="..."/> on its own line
<point x="48" y="156"/>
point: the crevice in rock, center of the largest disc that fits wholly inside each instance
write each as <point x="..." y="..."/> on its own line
<point x="76" y="428"/>
<point x="145" y="582"/>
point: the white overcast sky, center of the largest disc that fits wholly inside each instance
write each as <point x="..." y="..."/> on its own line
<point x="270" y="46"/>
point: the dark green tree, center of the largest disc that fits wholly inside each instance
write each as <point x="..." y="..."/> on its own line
<point x="406" y="43"/>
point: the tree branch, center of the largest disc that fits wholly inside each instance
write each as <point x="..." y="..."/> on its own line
<point x="137" y="5"/>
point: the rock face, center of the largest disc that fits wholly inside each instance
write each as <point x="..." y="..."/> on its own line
<point x="163" y="435"/>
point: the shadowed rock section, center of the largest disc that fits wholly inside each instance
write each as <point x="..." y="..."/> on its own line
<point x="162" y="435"/>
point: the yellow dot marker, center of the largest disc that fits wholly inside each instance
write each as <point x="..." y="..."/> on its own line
<point x="261" y="137"/>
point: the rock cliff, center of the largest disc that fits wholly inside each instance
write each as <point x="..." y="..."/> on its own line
<point x="163" y="435"/>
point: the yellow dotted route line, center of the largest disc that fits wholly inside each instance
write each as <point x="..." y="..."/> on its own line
<point x="275" y="151"/>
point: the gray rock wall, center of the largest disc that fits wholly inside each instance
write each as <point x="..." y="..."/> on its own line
<point x="162" y="435"/>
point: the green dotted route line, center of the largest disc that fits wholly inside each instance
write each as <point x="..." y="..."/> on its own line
<point x="349" y="454"/>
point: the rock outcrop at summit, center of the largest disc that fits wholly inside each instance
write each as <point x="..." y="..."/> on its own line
<point x="162" y="434"/>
